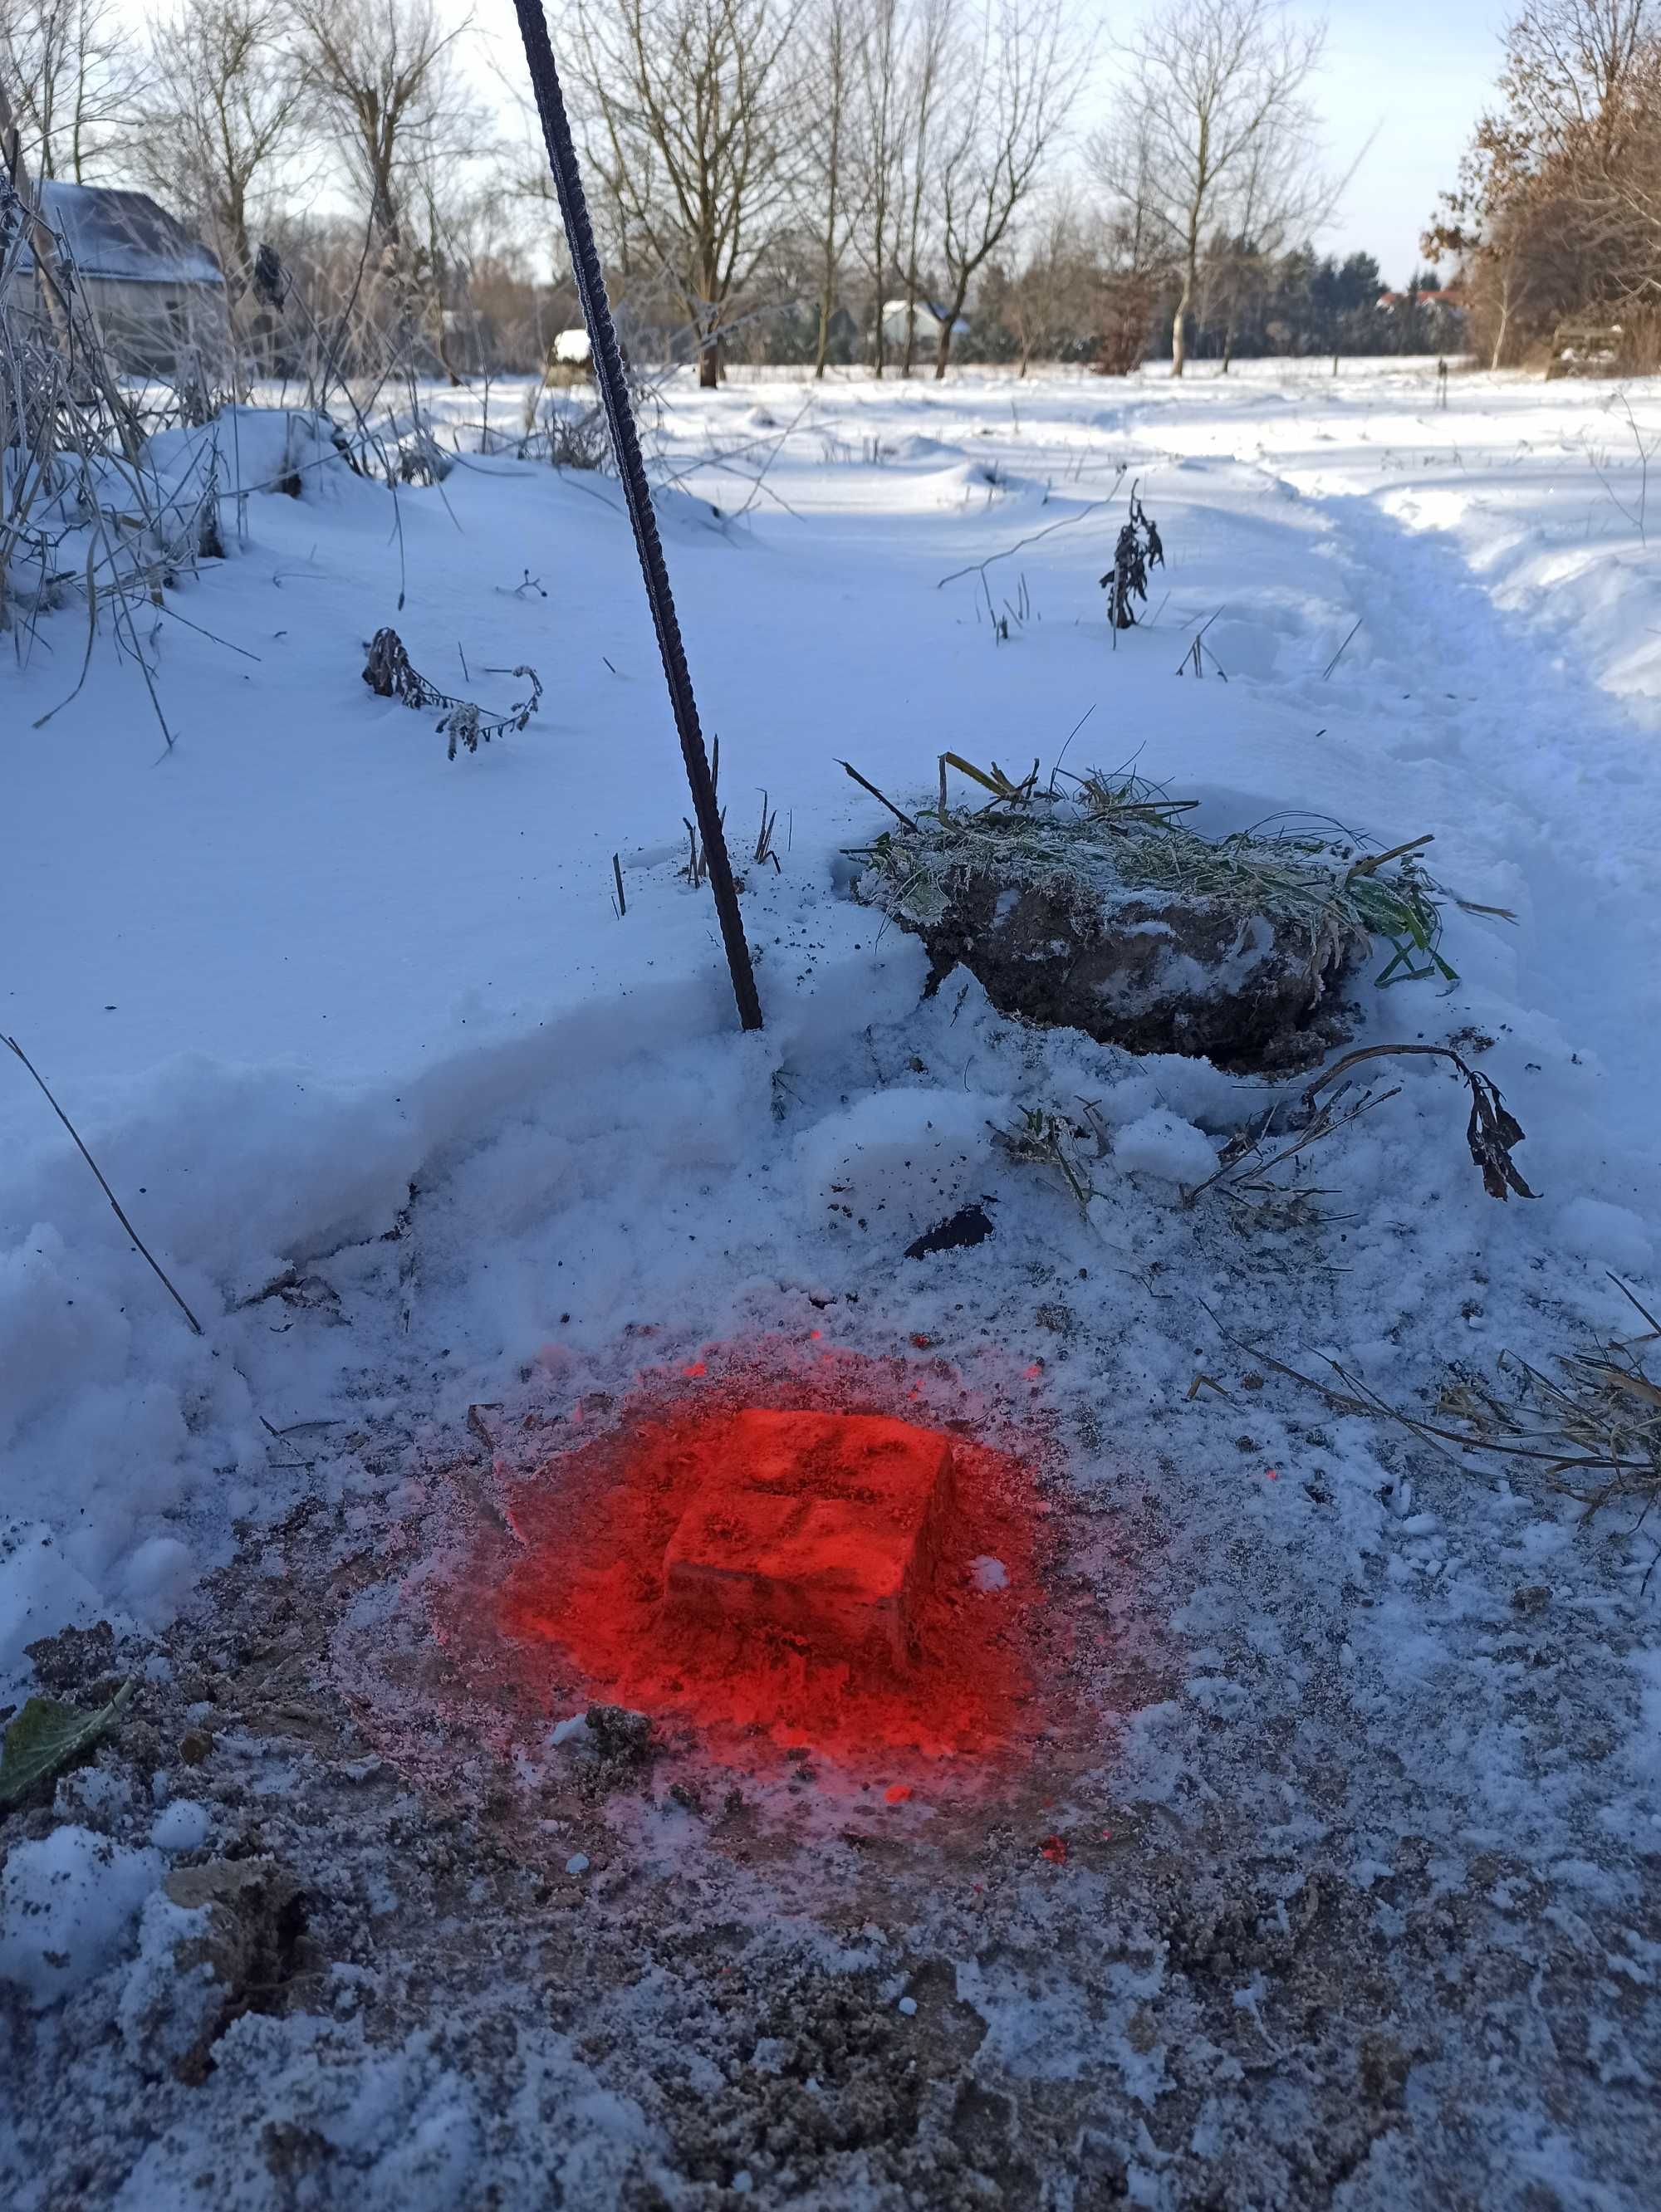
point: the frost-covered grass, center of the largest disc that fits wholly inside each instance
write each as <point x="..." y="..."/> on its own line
<point x="1591" y="1420"/>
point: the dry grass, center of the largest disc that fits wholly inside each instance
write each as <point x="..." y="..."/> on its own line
<point x="1100" y="839"/>
<point x="1595" y="1427"/>
<point x="1592" y="1433"/>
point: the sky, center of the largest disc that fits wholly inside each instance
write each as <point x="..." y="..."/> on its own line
<point x="1417" y="73"/>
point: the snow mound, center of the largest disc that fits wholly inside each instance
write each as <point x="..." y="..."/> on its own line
<point x="181" y="1827"/>
<point x="165" y="2006"/>
<point x="41" y="1591"/>
<point x="1243" y="648"/>
<point x="66" y="1904"/>
<point x="899" y="1159"/>
<point x="1162" y="1145"/>
<point x="1610" y="1235"/>
<point x="916" y="447"/>
<point x="297" y="451"/>
<point x="980" y="482"/>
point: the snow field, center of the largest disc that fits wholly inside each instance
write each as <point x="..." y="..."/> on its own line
<point x="338" y="1016"/>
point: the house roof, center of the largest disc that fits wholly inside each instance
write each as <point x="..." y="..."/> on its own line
<point x="107" y="233"/>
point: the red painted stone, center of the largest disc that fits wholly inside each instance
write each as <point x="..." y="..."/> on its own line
<point x="826" y="1526"/>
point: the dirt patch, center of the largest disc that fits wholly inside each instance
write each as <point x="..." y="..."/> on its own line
<point x="1250" y="1963"/>
<point x="1048" y="1994"/>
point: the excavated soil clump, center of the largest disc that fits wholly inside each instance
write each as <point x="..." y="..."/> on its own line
<point x="1151" y="973"/>
<point x="1101" y="910"/>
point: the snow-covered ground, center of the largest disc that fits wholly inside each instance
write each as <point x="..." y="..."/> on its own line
<point x="1376" y="1731"/>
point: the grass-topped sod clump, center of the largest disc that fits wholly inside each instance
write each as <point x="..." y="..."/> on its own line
<point x="1089" y="902"/>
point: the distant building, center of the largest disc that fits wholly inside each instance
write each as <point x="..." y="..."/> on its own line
<point x="156" y="293"/>
<point x="930" y="322"/>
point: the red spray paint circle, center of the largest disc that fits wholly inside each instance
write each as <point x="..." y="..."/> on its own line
<point x="587" y="1604"/>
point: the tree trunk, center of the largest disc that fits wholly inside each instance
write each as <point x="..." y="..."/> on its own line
<point x="833" y="183"/>
<point x="383" y="205"/>
<point x="827" y="307"/>
<point x="710" y="366"/>
<point x="1500" y="335"/>
<point x="441" y="346"/>
<point x="241" y="244"/>
<point x="942" y="353"/>
<point x="1179" y="318"/>
<point x="878" y="235"/>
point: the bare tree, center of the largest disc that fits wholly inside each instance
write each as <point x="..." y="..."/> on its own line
<point x="75" y="75"/>
<point x="1571" y="68"/>
<point x="931" y="58"/>
<point x="1215" y="120"/>
<point x="1049" y="302"/>
<point x="382" y="83"/>
<point x="221" y="116"/>
<point x="381" y="78"/>
<point x="834" y="177"/>
<point x="1277" y="199"/>
<point x="879" y="150"/>
<point x="692" y="129"/>
<point x="908" y="48"/>
<point x="1015" y="99"/>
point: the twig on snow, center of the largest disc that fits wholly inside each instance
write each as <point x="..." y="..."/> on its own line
<point x="866" y="784"/>
<point x="1339" y="655"/>
<point x="980" y="568"/>
<point x="114" y="1201"/>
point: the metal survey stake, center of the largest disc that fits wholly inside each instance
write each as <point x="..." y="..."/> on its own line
<point x="625" y="444"/>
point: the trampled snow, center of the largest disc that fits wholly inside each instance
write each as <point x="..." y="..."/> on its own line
<point x="416" y="1121"/>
